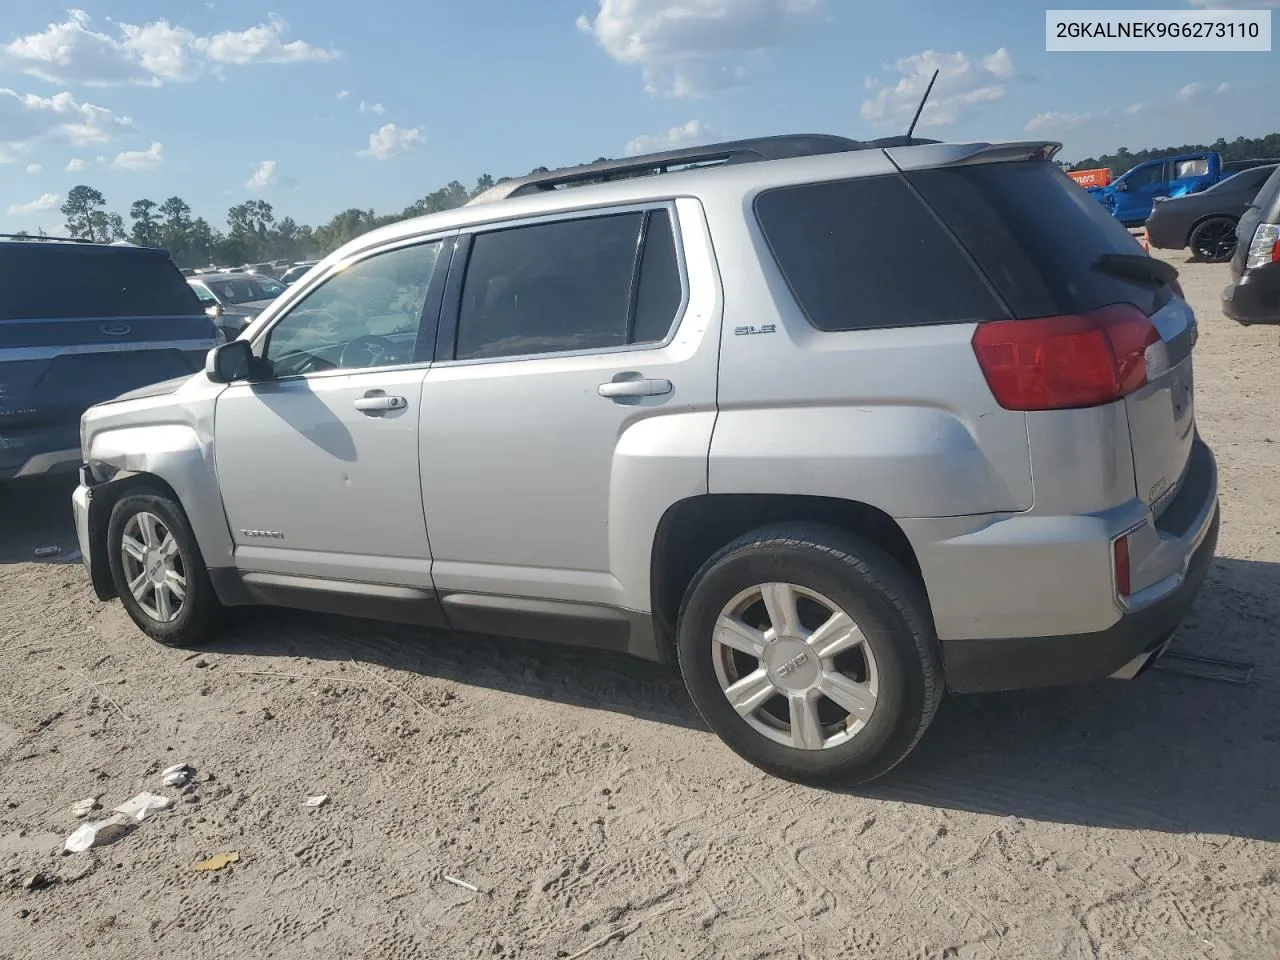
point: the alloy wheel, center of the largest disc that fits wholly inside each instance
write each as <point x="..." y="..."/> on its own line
<point x="153" y="567"/>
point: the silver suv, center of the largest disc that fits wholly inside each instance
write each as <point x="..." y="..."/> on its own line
<point x="835" y="424"/>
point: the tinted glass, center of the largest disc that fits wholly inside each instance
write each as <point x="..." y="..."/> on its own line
<point x="1145" y="176"/>
<point x="202" y="293"/>
<point x="867" y="253"/>
<point x="1037" y="236"/>
<point x="1245" y="180"/>
<point x="368" y="315"/>
<point x="549" y="287"/>
<point x="44" y="280"/>
<point x="246" y="289"/>
<point x="659" y="293"/>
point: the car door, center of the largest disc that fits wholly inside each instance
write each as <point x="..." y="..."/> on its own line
<point x="1133" y="203"/>
<point x="571" y="403"/>
<point x="317" y="456"/>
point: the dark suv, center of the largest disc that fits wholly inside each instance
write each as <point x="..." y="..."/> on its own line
<point x="1253" y="295"/>
<point x="81" y="323"/>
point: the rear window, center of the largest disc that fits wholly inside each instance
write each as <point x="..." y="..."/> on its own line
<point x="40" y="281"/>
<point x="1268" y="199"/>
<point x="1036" y="235"/>
<point x="866" y="253"/>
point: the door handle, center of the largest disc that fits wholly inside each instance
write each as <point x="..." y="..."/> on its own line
<point x="635" y="388"/>
<point x="379" y="402"/>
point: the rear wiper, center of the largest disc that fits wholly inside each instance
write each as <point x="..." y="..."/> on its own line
<point x="1137" y="266"/>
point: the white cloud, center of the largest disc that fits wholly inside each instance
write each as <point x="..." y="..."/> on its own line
<point x="1053" y="120"/>
<point x="267" y="175"/>
<point x="26" y="119"/>
<point x="961" y="85"/>
<point x="377" y="108"/>
<point x="73" y="52"/>
<point x="1223" y="87"/>
<point x="389" y="141"/>
<point x="343" y="94"/>
<point x="34" y="168"/>
<point x="147" y="159"/>
<point x="46" y="202"/>
<point x="75" y="165"/>
<point x="1134" y="109"/>
<point x="686" y="48"/>
<point x="1189" y="92"/>
<point x="680" y="136"/>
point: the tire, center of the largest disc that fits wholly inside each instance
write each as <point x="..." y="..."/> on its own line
<point x="1214" y="240"/>
<point x="192" y="618"/>
<point x="897" y="662"/>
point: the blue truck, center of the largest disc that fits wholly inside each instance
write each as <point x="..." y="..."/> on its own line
<point x="1130" y="197"/>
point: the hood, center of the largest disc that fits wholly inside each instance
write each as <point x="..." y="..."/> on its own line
<point x="163" y="388"/>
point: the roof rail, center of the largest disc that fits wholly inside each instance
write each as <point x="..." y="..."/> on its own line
<point x="733" y="151"/>
<point x="39" y="239"/>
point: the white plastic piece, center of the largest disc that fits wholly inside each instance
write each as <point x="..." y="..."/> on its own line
<point x="144" y="805"/>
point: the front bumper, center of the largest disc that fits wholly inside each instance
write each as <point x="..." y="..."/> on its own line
<point x="983" y="666"/>
<point x="1254" y="297"/>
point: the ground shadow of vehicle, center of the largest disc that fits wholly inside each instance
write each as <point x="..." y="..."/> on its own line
<point x="1162" y="752"/>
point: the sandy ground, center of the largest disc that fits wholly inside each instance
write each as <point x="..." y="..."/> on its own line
<point x="582" y="796"/>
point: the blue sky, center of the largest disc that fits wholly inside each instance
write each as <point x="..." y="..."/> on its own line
<point x="316" y="105"/>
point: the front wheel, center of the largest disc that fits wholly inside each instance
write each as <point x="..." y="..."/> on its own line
<point x="158" y="571"/>
<point x="1214" y="240"/>
<point x="811" y="653"/>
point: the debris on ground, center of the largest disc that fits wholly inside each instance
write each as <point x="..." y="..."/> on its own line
<point x="144" y="805"/>
<point x="216" y="862"/>
<point x="1013" y="824"/>
<point x="83" y="808"/>
<point x="37" y="881"/>
<point x="462" y="883"/>
<point x="319" y="800"/>
<point x="176" y="778"/>
<point x="100" y="833"/>
<point x="50" y="551"/>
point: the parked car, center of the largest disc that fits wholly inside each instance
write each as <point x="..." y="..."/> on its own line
<point x="235" y="299"/>
<point x="1253" y="295"/>
<point x="81" y="323"/>
<point x="700" y="414"/>
<point x="1206" y="222"/>
<point x="1130" y="197"/>
<point x="296" y="272"/>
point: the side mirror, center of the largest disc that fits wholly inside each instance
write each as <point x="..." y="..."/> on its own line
<point x="213" y="312"/>
<point x="229" y="362"/>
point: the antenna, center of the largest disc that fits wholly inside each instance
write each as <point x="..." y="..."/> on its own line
<point x="927" y="90"/>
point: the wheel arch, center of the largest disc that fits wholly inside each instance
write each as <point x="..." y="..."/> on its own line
<point x="693" y="529"/>
<point x="105" y="497"/>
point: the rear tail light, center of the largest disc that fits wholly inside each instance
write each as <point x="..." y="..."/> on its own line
<point x="1120" y="558"/>
<point x="1265" y="247"/>
<point x="1055" y="363"/>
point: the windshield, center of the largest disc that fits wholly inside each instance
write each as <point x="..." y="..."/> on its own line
<point x="245" y="289"/>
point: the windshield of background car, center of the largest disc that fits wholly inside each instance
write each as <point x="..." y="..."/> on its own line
<point x="246" y="289"/>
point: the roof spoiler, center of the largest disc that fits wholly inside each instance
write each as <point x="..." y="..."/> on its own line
<point x="960" y="154"/>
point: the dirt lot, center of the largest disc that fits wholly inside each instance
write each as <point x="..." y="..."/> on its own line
<point x="581" y="794"/>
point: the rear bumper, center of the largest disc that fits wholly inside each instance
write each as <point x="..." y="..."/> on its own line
<point x="35" y="451"/>
<point x="1123" y="650"/>
<point x="1255" y="297"/>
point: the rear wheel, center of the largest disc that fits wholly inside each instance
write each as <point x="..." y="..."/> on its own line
<point x="1214" y="240"/>
<point x="158" y="571"/>
<point x="811" y="653"/>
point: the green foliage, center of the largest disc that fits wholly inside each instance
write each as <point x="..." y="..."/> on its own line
<point x="1241" y="148"/>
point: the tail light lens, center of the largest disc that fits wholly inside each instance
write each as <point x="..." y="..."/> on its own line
<point x="1120" y="556"/>
<point x="1265" y="247"/>
<point x="1055" y="363"/>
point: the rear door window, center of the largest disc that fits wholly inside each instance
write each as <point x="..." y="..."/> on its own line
<point x="40" y="281"/>
<point x="866" y="253"/>
<point x="588" y="283"/>
<point x="1037" y="236"/>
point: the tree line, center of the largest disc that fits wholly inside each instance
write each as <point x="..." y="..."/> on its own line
<point x="253" y="234"/>
<point x="1241" y="148"/>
